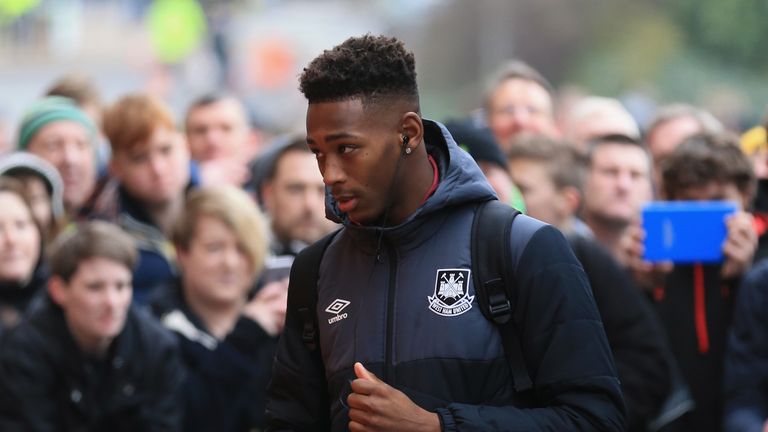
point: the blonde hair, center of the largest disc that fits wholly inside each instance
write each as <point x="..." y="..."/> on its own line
<point x="235" y="209"/>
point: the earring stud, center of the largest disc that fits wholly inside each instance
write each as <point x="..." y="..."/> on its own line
<point x="408" y="150"/>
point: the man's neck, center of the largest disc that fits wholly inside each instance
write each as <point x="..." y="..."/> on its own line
<point x="416" y="184"/>
<point x="92" y="346"/>
<point x="610" y="234"/>
<point x="219" y="319"/>
<point x="164" y="215"/>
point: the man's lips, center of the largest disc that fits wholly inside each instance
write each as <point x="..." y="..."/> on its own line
<point x="346" y="202"/>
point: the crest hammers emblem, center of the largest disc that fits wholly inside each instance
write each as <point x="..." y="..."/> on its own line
<point x="451" y="296"/>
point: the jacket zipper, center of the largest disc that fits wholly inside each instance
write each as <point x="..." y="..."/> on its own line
<point x="389" y="372"/>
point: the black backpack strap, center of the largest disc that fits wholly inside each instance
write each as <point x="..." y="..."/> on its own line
<point x="494" y="280"/>
<point x="304" y="275"/>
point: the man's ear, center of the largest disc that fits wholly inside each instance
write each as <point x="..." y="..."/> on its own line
<point x="57" y="289"/>
<point x="413" y="128"/>
<point x="571" y="199"/>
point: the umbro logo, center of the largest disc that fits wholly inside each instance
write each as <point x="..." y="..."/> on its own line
<point x="335" y="308"/>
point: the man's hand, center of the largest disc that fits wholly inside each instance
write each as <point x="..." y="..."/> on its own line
<point x="376" y="406"/>
<point x="740" y="245"/>
<point x="647" y="275"/>
<point x="225" y="171"/>
<point x="267" y="307"/>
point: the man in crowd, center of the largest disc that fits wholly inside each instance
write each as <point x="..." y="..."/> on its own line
<point x="695" y="300"/>
<point x="519" y="100"/>
<point x="550" y="175"/>
<point x="151" y="167"/>
<point x="85" y="359"/>
<point x="617" y="184"/>
<point x="671" y="125"/>
<point x="594" y="116"/>
<point x="293" y="195"/>
<point x="56" y="130"/>
<point x="391" y="359"/>
<point x="220" y="139"/>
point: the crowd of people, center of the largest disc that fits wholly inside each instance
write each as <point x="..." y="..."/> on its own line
<point x="144" y="262"/>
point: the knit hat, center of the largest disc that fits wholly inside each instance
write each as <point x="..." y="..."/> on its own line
<point x="51" y="109"/>
<point x="24" y="163"/>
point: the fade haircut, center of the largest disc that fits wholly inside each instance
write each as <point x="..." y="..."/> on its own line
<point x="94" y="239"/>
<point x="706" y="158"/>
<point x="564" y="165"/>
<point x="130" y="122"/>
<point x="368" y="67"/>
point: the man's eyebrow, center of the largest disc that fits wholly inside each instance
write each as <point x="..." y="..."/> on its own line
<point x="334" y="137"/>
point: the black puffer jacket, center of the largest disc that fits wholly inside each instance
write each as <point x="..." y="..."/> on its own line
<point x="48" y="384"/>
<point x="412" y="318"/>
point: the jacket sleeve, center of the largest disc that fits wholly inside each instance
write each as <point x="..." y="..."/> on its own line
<point x="27" y="396"/>
<point x="746" y="361"/>
<point x="638" y="342"/>
<point x="226" y="385"/>
<point x="575" y="387"/>
<point x="297" y="396"/>
<point x="164" y="412"/>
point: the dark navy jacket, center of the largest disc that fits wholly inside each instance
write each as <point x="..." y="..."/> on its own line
<point x="411" y="317"/>
<point x="746" y="361"/>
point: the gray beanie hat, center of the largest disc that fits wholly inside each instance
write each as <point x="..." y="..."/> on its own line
<point x="23" y="163"/>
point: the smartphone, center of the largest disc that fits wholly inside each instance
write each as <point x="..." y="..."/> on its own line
<point x="686" y="231"/>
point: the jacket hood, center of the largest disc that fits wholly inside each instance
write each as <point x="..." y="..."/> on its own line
<point x="460" y="181"/>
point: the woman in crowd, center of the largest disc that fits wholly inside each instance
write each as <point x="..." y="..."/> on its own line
<point x="226" y="332"/>
<point x="22" y="273"/>
<point x="43" y="187"/>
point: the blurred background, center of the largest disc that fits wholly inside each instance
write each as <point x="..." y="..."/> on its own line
<point x="645" y="52"/>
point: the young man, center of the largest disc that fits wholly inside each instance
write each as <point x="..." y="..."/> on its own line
<point x="151" y="168"/>
<point x="84" y="359"/>
<point x="550" y="174"/>
<point x="695" y="301"/>
<point x="391" y="358"/>
<point x="293" y="195"/>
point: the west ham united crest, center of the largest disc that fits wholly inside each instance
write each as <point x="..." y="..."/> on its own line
<point x="451" y="296"/>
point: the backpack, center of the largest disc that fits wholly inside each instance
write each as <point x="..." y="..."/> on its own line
<point x="493" y="279"/>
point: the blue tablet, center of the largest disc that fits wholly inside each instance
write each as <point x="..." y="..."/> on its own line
<point x="686" y="231"/>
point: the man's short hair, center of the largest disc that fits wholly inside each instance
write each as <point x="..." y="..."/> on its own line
<point x="592" y="106"/>
<point x="210" y="99"/>
<point x="298" y="144"/>
<point x="87" y="240"/>
<point x="232" y="207"/>
<point x="78" y="87"/>
<point x="515" y="69"/>
<point x="369" y="67"/>
<point x="131" y="121"/>
<point x="564" y="165"/>
<point x="707" y="122"/>
<point x="595" y="143"/>
<point x="706" y="158"/>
